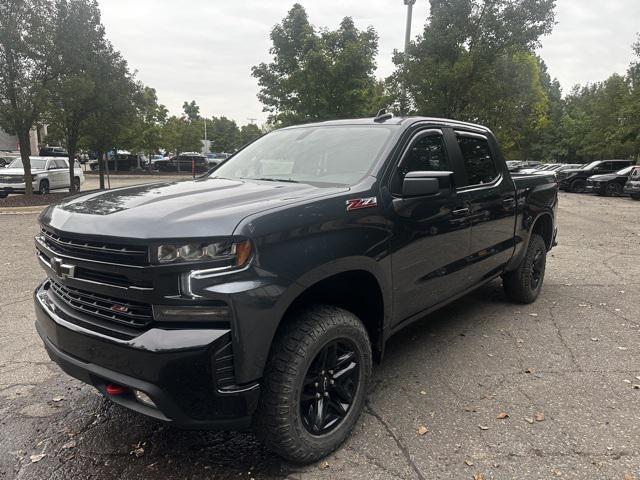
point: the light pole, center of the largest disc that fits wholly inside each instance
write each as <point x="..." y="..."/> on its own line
<point x="407" y="37"/>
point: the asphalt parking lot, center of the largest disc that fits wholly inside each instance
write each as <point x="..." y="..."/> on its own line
<point x="565" y="370"/>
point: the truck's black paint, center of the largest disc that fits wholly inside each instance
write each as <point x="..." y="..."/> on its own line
<point x="409" y="255"/>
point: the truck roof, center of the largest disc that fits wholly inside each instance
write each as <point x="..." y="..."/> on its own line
<point x="401" y="121"/>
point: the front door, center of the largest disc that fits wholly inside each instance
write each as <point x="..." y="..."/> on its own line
<point x="431" y="234"/>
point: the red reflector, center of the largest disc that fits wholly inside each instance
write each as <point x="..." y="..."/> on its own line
<point x="115" y="389"/>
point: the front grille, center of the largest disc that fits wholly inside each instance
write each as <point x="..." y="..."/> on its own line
<point x="105" y="252"/>
<point x="99" y="306"/>
<point x="11" y="179"/>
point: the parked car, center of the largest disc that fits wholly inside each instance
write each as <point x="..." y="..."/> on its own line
<point x="214" y="159"/>
<point x="7" y="158"/>
<point x="576" y="180"/>
<point x="548" y="167"/>
<point x="53" y="152"/>
<point x="258" y="295"/>
<point x="632" y="186"/>
<point x="518" y="165"/>
<point x="121" y="162"/>
<point x="47" y="173"/>
<point x="184" y="162"/>
<point x="610" y="184"/>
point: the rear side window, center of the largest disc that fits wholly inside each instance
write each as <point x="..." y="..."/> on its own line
<point x="477" y="160"/>
<point x="60" y="163"/>
<point x="426" y="154"/>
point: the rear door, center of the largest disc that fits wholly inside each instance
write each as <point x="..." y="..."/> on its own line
<point x="431" y="233"/>
<point x="490" y="193"/>
<point x="62" y="173"/>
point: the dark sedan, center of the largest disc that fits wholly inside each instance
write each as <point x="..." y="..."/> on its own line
<point x="611" y="184"/>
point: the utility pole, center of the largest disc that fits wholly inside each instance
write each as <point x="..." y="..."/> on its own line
<point x="407" y="38"/>
<point x="206" y="145"/>
<point x="251" y="120"/>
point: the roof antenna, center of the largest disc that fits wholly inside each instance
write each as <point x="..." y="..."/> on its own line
<point x="382" y="116"/>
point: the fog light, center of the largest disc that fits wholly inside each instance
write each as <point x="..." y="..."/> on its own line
<point x="144" y="398"/>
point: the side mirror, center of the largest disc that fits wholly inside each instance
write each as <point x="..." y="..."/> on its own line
<point x="418" y="184"/>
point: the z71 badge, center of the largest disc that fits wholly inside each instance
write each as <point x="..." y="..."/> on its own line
<point x="358" y="203"/>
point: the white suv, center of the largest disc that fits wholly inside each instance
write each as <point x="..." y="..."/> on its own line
<point x="47" y="173"/>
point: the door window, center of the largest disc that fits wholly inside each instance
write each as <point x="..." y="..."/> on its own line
<point x="60" y="163"/>
<point x="477" y="159"/>
<point x="427" y="153"/>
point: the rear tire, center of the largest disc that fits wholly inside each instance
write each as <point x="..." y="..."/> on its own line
<point x="319" y="362"/>
<point x="523" y="285"/>
<point x="76" y="184"/>
<point x="578" y="186"/>
<point x="4" y="194"/>
<point x="635" y="197"/>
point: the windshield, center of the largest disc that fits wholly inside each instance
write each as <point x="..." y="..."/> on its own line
<point x="36" y="163"/>
<point x="317" y="155"/>
<point x="625" y="170"/>
<point x="589" y="166"/>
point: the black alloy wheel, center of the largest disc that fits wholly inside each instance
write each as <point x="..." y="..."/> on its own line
<point x="329" y="387"/>
<point x="523" y="285"/>
<point x="537" y="269"/>
<point x="613" y="189"/>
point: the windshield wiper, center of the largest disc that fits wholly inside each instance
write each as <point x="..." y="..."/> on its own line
<point x="265" y="179"/>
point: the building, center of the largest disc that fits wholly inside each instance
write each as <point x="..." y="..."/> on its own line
<point x="9" y="143"/>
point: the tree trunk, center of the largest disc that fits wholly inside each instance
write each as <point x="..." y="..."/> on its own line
<point x="72" y="145"/>
<point x="25" y="152"/>
<point x="101" y="168"/>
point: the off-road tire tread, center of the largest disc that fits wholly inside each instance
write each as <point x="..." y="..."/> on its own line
<point x="272" y="422"/>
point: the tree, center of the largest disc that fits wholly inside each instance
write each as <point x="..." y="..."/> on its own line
<point x="25" y="69"/>
<point x="191" y="110"/>
<point x="474" y="61"/>
<point x="114" y="109"/>
<point x="80" y="48"/>
<point x="179" y="135"/>
<point x="317" y="75"/>
<point x="224" y="134"/>
<point x="248" y="133"/>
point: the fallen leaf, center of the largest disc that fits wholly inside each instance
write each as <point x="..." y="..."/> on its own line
<point x="37" y="458"/>
<point x="529" y="370"/>
<point x="528" y="420"/>
<point x="422" y="392"/>
<point x="582" y="304"/>
<point x="594" y="339"/>
<point x="626" y="380"/>
<point x="539" y="417"/>
<point x="502" y="415"/>
<point x="638" y="377"/>
<point x="556" y="472"/>
<point x="636" y="387"/>
<point x="622" y="348"/>
<point x="628" y="476"/>
<point x="324" y="465"/>
<point x="469" y="463"/>
<point x="471" y="409"/>
<point x="478" y="476"/>
<point x="482" y="427"/>
<point x="422" y="430"/>
<point x="519" y="340"/>
<point x="533" y="314"/>
<point x="138" y="452"/>
<point x="68" y="445"/>
<point x="57" y="399"/>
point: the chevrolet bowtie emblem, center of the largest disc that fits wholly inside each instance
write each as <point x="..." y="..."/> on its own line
<point x="62" y="270"/>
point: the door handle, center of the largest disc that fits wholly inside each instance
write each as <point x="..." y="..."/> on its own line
<point x="461" y="211"/>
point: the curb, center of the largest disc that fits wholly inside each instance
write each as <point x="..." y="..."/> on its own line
<point x="22" y="210"/>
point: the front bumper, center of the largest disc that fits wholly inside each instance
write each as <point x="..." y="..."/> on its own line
<point x="175" y="368"/>
<point x="15" y="187"/>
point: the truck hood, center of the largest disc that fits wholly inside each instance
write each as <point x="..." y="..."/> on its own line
<point x="205" y="207"/>
<point x="18" y="171"/>
<point x="605" y="177"/>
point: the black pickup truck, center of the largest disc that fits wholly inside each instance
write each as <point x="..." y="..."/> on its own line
<point x="258" y="295"/>
<point x="575" y="180"/>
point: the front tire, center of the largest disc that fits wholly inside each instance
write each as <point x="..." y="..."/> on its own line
<point x="76" y="184"/>
<point x="43" y="188"/>
<point x="315" y="384"/>
<point x="578" y="186"/>
<point x="523" y="285"/>
<point x="613" y="190"/>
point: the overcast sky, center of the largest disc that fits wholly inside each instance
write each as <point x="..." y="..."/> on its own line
<point x="203" y="50"/>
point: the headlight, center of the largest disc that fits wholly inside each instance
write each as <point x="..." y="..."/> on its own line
<point x="232" y="254"/>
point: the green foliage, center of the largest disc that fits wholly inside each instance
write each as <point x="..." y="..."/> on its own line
<point x="318" y="75"/>
<point x="191" y="110"/>
<point x="180" y="135"/>
<point x="224" y="134"/>
<point x="475" y="62"/>
<point x="248" y="133"/>
<point x="25" y="68"/>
